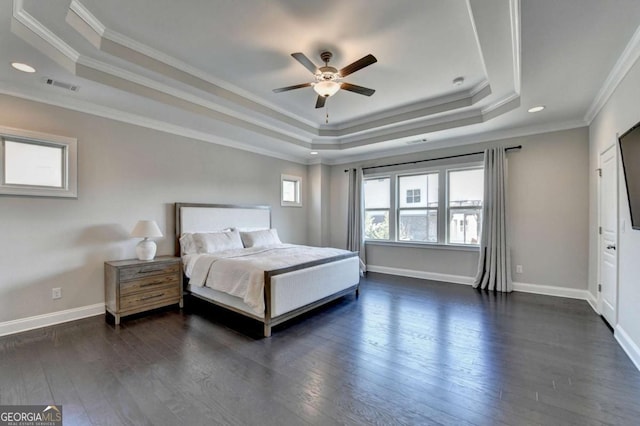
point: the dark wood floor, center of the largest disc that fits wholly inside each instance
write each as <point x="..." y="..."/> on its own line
<point x="406" y="352"/>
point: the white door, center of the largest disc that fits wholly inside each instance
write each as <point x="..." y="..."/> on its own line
<point x="608" y="212"/>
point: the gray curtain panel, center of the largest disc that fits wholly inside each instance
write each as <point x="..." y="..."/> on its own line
<point x="494" y="263"/>
<point x="355" y="236"/>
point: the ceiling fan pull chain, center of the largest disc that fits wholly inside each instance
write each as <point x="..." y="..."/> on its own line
<point x="327" y="116"/>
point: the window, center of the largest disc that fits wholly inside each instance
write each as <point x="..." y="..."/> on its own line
<point x="442" y="205"/>
<point x="418" y="220"/>
<point x="377" y="193"/>
<point x="34" y="164"/>
<point x="291" y="191"/>
<point x="413" y="196"/>
<point x="465" y="205"/>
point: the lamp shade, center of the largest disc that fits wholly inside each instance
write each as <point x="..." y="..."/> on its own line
<point x="146" y="229"/>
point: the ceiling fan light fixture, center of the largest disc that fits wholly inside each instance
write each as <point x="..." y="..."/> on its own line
<point x="326" y="88"/>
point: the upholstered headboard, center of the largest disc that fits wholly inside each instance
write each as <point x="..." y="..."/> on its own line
<point x="192" y="217"/>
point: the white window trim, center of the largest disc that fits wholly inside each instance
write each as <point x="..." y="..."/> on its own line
<point x="298" y="181"/>
<point x="443" y="204"/>
<point x="69" y="187"/>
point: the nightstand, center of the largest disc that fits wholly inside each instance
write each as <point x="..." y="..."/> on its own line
<point x="134" y="286"/>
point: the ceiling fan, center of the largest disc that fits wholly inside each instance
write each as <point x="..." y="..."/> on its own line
<point x="327" y="79"/>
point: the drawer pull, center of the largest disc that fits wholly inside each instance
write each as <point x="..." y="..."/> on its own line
<point x="149" y="271"/>
<point x="152" y="297"/>
<point x="147" y="284"/>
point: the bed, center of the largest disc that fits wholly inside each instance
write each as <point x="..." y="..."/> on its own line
<point x="286" y="290"/>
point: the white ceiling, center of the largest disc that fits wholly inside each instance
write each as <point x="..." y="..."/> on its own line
<point x="206" y="69"/>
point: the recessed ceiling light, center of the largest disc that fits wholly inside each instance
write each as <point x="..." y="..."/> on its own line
<point x="23" y="67"/>
<point x="314" y="153"/>
<point x="458" y="81"/>
<point x="536" y="108"/>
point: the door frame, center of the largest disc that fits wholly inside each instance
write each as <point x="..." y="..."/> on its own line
<point x="616" y="154"/>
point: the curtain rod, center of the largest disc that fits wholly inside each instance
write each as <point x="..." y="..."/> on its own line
<point x="511" y="148"/>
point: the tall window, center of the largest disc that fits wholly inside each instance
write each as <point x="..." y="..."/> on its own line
<point x="441" y="205"/>
<point x="465" y="205"/>
<point x="377" y="193"/>
<point x="418" y="216"/>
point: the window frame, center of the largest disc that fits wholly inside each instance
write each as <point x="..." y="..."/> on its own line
<point x="442" y="210"/>
<point x="69" y="164"/>
<point x="298" y="190"/>
<point x="389" y="209"/>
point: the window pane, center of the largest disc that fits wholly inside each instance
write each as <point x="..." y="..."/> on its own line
<point x="32" y="164"/>
<point x="464" y="226"/>
<point x="376" y="224"/>
<point x="377" y="193"/>
<point x="418" y="190"/>
<point x="418" y="225"/>
<point x="466" y="187"/>
<point x="289" y="192"/>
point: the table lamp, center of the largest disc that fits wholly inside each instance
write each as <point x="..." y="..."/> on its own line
<point x="146" y="249"/>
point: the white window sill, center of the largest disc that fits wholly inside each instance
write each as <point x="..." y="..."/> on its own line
<point x="430" y="246"/>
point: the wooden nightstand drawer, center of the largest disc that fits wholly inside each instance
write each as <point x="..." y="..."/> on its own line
<point x="133" y="286"/>
<point x="143" y="271"/>
<point x="149" y="298"/>
<point x="148" y="283"/>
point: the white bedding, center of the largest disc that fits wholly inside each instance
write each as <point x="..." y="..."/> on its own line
<point x="240" y="272"/>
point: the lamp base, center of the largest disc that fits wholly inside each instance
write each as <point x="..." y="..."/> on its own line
<point x="146" y="250"/>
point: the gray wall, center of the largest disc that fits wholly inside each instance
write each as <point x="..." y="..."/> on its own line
<point x="126" y="173"/>
<point x="619" y="114"/>
<point x="548" y="202"/>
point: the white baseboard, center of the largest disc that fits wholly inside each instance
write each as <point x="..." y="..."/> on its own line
<point x="456" y="279"/>
<point x="629" y="346"/>
<point x="30" y="323"/>
<point x="549" y="290"/>
<point x="593" y="302"/>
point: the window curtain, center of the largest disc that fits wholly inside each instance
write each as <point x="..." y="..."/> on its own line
<point x="355" y="235"/>
<point x="494" y="263"/>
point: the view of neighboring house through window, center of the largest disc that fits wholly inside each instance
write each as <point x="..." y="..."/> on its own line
<point x="441" y="205"/>
<point x="377" y="194"/>
<point x="465" y="205"/>
<point x="418" y="216"/>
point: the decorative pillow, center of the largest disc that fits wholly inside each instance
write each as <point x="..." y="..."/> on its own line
<point x="187" y="245"/>
<point x="217" y="241"/>
<point x="264" y="237"/>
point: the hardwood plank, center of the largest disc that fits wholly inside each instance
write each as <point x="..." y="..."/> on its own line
<point x="407" y="351"/>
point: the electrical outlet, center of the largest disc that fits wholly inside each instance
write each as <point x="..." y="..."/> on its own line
<point x="56" y="293"/>
<point x="518" y="269"/>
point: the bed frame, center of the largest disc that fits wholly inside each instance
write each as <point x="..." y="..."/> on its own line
<point x="195" y="217"/>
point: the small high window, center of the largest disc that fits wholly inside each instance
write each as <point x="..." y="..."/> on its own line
<point x="291" y="191"/>
<point x="39" y="165"/>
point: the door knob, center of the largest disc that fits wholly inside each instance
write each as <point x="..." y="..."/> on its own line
<point x="611" y="247"/>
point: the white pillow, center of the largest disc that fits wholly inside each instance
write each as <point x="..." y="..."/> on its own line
<point x="264" y="237"/>
<point x="187" y="245"/>
<point x="217" y="241"/>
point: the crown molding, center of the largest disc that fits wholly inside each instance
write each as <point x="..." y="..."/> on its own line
<point x="629" y="57"/>
<point x="491" y="136"/>
<point x="74" y="104"/>
<point x="131" y="50"/>
<point x="242" y="109"/>
<point x="514" y="13"/>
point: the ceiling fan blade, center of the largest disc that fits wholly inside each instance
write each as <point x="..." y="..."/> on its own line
<point x="357" y="89"/>
<point x="297" y="86"/>
<point x="358" y="65"/>
<point x="306" y="62"/>
<point x="320" y="102"/>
